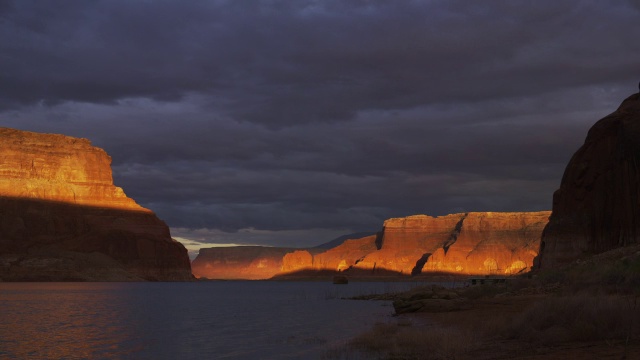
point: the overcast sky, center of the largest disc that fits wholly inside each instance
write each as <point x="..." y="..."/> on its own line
<point x="293" y="122"/>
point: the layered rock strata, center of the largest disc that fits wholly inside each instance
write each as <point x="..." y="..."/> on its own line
<point x="468" y="243"/>
<point x="61" y="217"/>
<point x="597" y="207"/>
<point x="471" y="243"/>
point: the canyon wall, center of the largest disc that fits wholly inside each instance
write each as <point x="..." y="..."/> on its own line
<point x="466" y="244"/>
<point x="597" y="207"/>
<point x="61" y="217"/>
<point x="473" y="243"/>
<point x="239" y="262"/>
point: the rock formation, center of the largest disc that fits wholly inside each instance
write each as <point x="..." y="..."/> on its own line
<point x="492" y="243"/>
<point x="408" y="241"/>
<point x="340" y="258"/>
<point x="597" y="207"/>
<point x="239" y="262"/>
<point x="61" y="217"/>
<point x="469" y="243"/>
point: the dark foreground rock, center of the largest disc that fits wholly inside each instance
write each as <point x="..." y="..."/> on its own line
<point x="597" y="207"/>
<point x="429" y="299"/>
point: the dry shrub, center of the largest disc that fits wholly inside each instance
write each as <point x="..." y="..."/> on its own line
<point x="577" y="318"/>
<point x="387" y="341"/>
<point x="443" y="343"/>
<point x="483" y="291"/>
<point x="378" y="340"/>
<point x="518" y="283"/>
<point x="615" y="271"/>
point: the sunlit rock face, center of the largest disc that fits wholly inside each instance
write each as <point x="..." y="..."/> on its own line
<point x="345" y="256"/>
<point x="491" y="243"/>
<point x="297" y="260"/>
<point x="597" y="206"/>
<point x="406" y="240"/>
<point x="240" y="262"/>
<point x="339" y="258"/>
<point x="465" y="244"/>
<point x="58" y="168"/>
<point x="260" y="262"/>
<point x="61" y="217"/>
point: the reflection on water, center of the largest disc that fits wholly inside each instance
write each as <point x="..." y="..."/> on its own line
<point x="224" y="320"/>
<point x="64" y="320"/>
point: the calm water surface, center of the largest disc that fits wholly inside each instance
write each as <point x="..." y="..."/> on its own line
<point x="203" y="320"/>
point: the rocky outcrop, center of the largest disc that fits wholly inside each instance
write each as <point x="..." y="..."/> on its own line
<point x="429" y="299"/>
<point x="470" y="243"/>
<point x="260" y="262"/>
<point x="61" y="217"/>
<point x="408" y="241"/>
<point x="597" y="207"/>
<point x="492" y="243"/>
<point x="345" y="256"/>
<point x="240" y="262"/>
<point x="58" y="168"/>
<point x="466" y="244"/>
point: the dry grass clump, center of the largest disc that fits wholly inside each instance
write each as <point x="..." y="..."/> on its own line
<point x="579" y="318"/>
<point x="378" y="340"/>
<point x="615" y="271"/>
<point x="482" y="291"/>
<point x="388" y="341"/>
<point x="595" y="300"/>
<point x="553" y="320"/>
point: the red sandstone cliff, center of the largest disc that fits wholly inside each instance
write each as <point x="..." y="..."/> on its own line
<point x="239" y="262"/>
<point x="597" y="207"/>
<point x="470" y="244"/>
<point x="406" y="240"/>
<point x="492" y="243"/>
<point x="61" y="217"/>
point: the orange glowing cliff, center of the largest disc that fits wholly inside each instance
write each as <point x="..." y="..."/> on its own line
<point x="476" y="243"/>
<point x="61" y="217"/>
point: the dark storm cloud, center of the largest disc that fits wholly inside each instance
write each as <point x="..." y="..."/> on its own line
<point x="283" y="63"/>
<point x="284" y="116"/>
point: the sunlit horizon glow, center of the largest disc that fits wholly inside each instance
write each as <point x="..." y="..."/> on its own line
<point x="196" y="239"/>
<point x="193" y="246"/>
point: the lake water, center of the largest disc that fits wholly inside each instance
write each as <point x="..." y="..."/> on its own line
<point x="199" y="320"/>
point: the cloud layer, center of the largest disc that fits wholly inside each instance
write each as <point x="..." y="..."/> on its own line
<point x="317" y="117"/>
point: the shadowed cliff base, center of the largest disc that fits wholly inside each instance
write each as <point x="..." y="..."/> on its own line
<point x="380" y="274"/>
<point x="351" y="274"/>
<point x="43" y="240"/>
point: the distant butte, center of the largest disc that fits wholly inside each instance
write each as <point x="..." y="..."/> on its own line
<point x="62" y="219"/>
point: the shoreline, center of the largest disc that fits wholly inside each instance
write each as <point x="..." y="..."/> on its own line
<point x="587" y="309"/>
